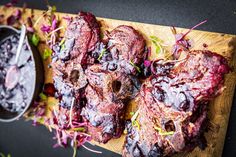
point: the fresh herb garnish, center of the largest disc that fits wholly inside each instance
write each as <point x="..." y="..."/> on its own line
<point x="135" y="66"/>
<point x="101" y="54"/>
<point x="134" y="121"/>
<point x="43" y="96"/>
<point x="47" y="53"/>
<point x="74" y="148"/>
<point x="79" y="129"/>
<point x="35" y="39"/>
<point x="157" y="42"/>
<point x="163" y="133"/>
<point x="131" y="113"/>
<point x="62" y="41"/>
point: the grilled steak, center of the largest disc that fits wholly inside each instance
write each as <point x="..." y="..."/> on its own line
<point x="81" y="37"/>
<point x="106" y="95"/>
<point x="70" y="60"/>
<point x="110" y="83"/>
<point x="124" y="48"/>
<point x="173" y="105"/>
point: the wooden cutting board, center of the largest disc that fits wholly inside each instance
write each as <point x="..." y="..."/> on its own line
<point x="219" y="109"/>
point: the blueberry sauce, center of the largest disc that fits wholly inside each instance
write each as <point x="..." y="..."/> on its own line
<point x="16" y="99"/>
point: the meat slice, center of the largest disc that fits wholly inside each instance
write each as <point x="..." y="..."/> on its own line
<point x="173" y="105"/>
<point x="71" y="58"/>
<point x="106" y="94"/>
<point x="81" y="37"/>
<point x="124" y="48"/>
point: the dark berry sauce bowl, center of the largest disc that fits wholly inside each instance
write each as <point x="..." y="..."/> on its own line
<point x="15" y="102"/>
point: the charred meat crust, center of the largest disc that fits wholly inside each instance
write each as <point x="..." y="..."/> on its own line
<point x="175" y="100"/>
<point x="106" y="94"/>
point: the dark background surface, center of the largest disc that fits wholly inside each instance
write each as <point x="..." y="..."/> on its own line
<point x="21" y="139"/>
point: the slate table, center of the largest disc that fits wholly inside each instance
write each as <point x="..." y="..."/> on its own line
<point x="21" y="139"/>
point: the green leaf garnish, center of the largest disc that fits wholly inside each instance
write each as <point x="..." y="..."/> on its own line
<point x="35" y="39"/>
<point x="47" y="53"/>
<point x="136" y="67"/>
<point x="156" y="41"/>
<point x="101" y="54"/>
<point x="136" y="123"/>
<point x="163" y="133"/>
<point x="40" y="120"/>
<point x="62" y="41"/>
<point x="8" y="155"/>
<point x="131" y="113"/>
<point x="80" y="129"/>
<point x="63" y="46"/>
<point x="43" y="96"/>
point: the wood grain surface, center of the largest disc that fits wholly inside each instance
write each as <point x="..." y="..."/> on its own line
<point x="219" y="109"/>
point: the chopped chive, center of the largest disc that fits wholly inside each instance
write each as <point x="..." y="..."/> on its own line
<point x="80" y="129"/>
<point x="163" y="133"/>
<point x="166" y="133"/>
<point x="136" y="67"/>
<point x="101" y="54"/>
<point x="62" y="41"/>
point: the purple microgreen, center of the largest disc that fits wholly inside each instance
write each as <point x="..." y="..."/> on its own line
<point x="17" y="14"/>
<point x="30" y="29"/>
<point x="45" y="28"/>
<point x="184" y="35"/>
<point x="147" y="63"/>
<point x="54" y="23"/>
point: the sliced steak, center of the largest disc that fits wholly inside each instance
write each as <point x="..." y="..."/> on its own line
<point x="173" y="105"/>
<point x="106" y="94"/>
<point x="124" y="48"/>
<point x="81" y="37"/>
<point x="71" y="58"/>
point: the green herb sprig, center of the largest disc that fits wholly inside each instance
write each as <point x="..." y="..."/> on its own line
<point x="47" y="53"/>
<point x="135" y="66"/>
<point x="157" y="42"/>
<point x="162" y="132"/>
<point x="35" y="39"/>
<point x="101" y="54"/>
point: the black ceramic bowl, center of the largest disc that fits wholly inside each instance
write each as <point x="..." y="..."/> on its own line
<point x="37" y="72"/>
